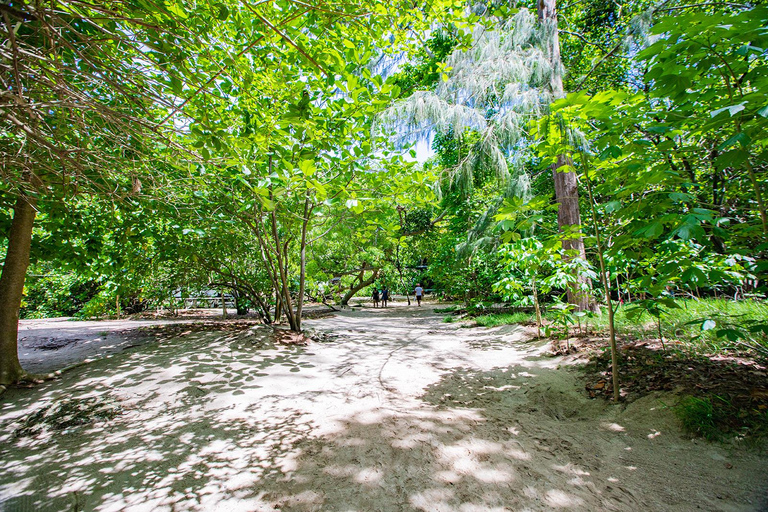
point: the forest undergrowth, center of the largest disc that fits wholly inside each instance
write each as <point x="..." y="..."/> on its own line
<point x="717" y="379"/>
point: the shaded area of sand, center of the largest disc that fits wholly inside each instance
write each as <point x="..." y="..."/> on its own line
<point x="399" y="412"/>
<point x="48" y="345"/>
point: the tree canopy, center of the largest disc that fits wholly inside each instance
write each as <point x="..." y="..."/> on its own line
<point x="600" y="154"/>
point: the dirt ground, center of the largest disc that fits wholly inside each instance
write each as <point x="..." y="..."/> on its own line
<point x="394" y="411"/>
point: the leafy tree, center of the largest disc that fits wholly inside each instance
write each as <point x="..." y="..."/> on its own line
<point x="79" y="115"/>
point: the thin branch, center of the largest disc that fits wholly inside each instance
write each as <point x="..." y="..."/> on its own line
<point x="580" y="36"/>
<point x="597" y="65"/>
<point x="288" y="40"/>
<point x="221" y="70"/>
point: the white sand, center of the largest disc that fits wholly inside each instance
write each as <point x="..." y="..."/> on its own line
<point x="401" y="412"/>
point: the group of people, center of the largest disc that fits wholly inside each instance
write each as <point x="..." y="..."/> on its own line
<point x="383" y="296"/>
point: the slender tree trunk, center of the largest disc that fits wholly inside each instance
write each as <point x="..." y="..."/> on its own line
<point x="759" y="197"/>
<point x="278" y="306"/>
<point x="536" y="305"/>
<point x="566" y="184"/>
<point x="606" y="288"/>
<point x="303" y="261"/>
<point x="400" y="270"/>
<point x="12" y="287"/>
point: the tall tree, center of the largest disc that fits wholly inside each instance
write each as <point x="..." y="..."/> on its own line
<point x="507" y="75"/>
<point x="563" y="173"/>
<point x="81" y="85"/>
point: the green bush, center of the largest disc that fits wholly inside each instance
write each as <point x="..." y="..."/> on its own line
<point x="101" y="304"/>
<point x="53" y="295"/>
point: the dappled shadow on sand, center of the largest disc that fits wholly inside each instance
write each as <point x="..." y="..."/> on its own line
<point x="399" y="413"/>
<point x="510" y="439"/>
<point x="194" y="429"/>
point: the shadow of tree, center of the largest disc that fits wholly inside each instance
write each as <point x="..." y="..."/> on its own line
<point x="401" y="413"/>
<point x="185" y="437"/>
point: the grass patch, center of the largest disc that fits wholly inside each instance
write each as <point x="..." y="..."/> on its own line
<point x="698" y="417"/>
<point x="716" y="418"/>
<point x="449" y="309"/>
<point x="496" y="319"/>
<point x="683" y="326"/>
<point x="449" y="319"/>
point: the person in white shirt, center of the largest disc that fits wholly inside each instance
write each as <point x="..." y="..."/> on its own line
<point x="419" y="293"/>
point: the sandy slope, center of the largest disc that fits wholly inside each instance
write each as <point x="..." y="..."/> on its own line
<point x="399" y="412"/>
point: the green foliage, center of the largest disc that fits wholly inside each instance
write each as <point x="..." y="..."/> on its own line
<point x="270" y="150"/>
<point x="699" y="417"/>
<point x="561" y="319"/>
<point x="497" y="319"/>
<point x="425" y="68"/>
<point x="55" y="294"/>
<point x="529" y="263"/>
<point x="102" y="304"/>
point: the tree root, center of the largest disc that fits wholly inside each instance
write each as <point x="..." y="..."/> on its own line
<point x="36" y="378"/>
<point x="30" y="379"/>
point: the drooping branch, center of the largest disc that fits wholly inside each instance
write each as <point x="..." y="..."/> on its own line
<point x="360" y="283"/>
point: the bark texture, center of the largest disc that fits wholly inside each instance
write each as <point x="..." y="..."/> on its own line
<point x="360" y="284"/>
<point x="12" y="287"/>
<point x="566" y="183"/>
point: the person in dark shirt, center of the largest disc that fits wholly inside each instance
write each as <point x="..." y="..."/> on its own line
<point x="384" y="296"/>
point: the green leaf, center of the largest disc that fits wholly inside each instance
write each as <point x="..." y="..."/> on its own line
<point x="742" y="138"/>
<point x="307" y="167"/>
<point x="223" y="12"/>
<point x="732" y="110"/>
<point x="651" y="230"/>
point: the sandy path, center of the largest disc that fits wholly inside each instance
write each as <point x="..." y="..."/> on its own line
<point x="51" y="344"/>
<point x="400" y="412"/>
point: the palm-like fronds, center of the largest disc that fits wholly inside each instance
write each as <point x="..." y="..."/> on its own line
<point x="494" y="88"/>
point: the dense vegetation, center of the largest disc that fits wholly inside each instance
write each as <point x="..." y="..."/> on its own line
<point x="607" y="154"/>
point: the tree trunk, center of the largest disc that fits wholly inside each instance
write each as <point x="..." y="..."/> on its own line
<point x="362" y="283"/>
<point x="536" y="305"/>
<point x="12" y="287"/>
<point x="568" y="218"/>
<point x="605" y="279"/>
<point x="566" y="184"/>
<point x="303" y="261"/>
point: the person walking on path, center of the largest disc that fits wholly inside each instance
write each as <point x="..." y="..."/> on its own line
<point x="384" y="296"/>
<point x="375" y="297"/>
<point x="419" y="293"/>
